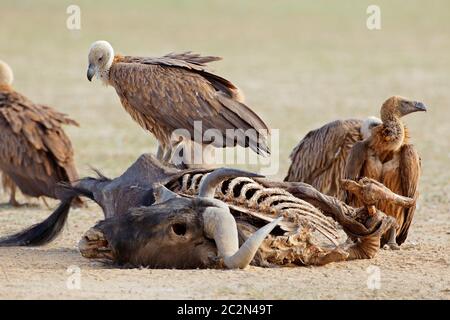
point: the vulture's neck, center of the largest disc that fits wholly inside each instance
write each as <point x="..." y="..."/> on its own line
<point x="104" y="75"/>
<point x="5" y="87"/>
<point x="388" y="137"/>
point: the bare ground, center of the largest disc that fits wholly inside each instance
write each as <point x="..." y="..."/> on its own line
<point x="420" y="270"/>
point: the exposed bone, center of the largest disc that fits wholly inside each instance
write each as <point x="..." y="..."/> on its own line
<point x="305" y="213"/>
<point x="220" y="224"/>
<point x="213" y="180"/>
<point x="195" y="182"/>
<point x="242" y="199"/>
<point x="323" y="229"/>
<point x="294" y="250"/>
<point x="244" y="256"/>
<point x="232" y="184"/>
<point x="301" y="209"/>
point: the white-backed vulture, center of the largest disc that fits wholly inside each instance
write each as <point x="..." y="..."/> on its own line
<point x="171" y="92"/>
<point x="386" y="156"/>
<point x="354" y="149"/>
<point x="35" y="153"/>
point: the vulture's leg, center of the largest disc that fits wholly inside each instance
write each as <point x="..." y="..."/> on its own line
<point x="45" y="203"/>
<point x="392" y="243"/>
<point x="12" y="197"/>
<point x="160" y="152"/>
<point x="177" y="155"/>
<point x="188" y="154"/>
<point x="173" y="151"/>
<point x="9" y="185"/>
<point x="208" y="156"/>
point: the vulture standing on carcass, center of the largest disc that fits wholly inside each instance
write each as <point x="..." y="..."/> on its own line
<point x="354" y="149"/>
<point x="174" y="91"/>
<point x="35" y="153"/>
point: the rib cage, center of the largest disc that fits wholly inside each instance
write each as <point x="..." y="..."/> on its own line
<point x="247" y="195"/>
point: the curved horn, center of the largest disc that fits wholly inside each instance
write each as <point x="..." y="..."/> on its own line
<point x="219" y="224"/>
<point x="209" y="184"/>
<point x="244" y="256"/>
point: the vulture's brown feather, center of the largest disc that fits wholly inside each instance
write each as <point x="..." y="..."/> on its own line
<point x="35" y="153"/>
<point x="172" y="92"/>
<point x="319" y="158"/>
<point x="176" y="95"/>
<point x="410" y="172"/>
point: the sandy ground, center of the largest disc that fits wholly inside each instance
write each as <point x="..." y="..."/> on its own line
<point x="420" y="270"/>
<point x="300" y="64"/>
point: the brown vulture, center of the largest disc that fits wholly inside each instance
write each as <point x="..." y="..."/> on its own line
<point x="354" y="149"/>
<point x="35" y="153"/>
<point x="174" y="91"/>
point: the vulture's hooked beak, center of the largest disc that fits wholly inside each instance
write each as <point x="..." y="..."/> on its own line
<point x="90" y="72"/>
<point x="420" y="106"/>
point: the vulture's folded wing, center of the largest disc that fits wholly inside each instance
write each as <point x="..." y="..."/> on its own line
<point x="354" y="167"/>
<point x="319" y="158"/>
<point x="170" y="93"/>
<point x="187" y="60"/>
<point x="410" y="173"/>
<point x="34" y="150"/>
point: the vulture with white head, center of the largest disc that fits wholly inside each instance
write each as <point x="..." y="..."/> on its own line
<point x="172" y="92"/>
<point x="353" y="149"/>
<point x="387" y="156"/>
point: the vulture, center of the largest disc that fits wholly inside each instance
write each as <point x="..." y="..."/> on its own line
<point x="175" y="92"/>
<point x="353" y="149"/>
<point x="35" y="153"/>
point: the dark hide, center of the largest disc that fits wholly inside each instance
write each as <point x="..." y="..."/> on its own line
<point x="166" y="235"/>
<point x="134" y="188"/>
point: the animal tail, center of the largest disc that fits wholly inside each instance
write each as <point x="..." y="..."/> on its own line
<point x="43" y="232"/>
<point x="47" y="230"/>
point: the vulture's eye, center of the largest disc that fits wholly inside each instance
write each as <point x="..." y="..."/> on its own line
<point x="100" y="59"/>
<point x="179" y="229"/>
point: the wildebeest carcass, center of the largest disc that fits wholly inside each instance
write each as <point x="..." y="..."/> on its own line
<point x="160" y="217"/>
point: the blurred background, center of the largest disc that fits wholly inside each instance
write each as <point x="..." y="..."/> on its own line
<point x="300" y="64"/>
